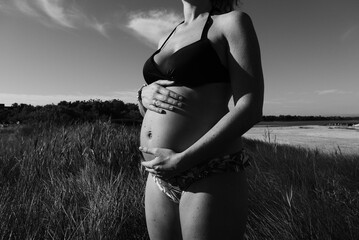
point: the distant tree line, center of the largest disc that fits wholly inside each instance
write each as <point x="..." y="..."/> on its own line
<point x="289" y="118"/>
<point x="115" y="110"/>
<point x="70" y="112"/>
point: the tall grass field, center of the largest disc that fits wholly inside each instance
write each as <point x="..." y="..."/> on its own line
<point x="84" y="181"/>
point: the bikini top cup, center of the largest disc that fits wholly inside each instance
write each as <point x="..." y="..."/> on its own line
<point x="193" y="65"/>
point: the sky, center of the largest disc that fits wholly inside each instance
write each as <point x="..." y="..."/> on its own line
<point x="54" y="50"/>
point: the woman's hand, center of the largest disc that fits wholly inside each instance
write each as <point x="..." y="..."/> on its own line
<point x="165" y="164"/>
<point x="156" y="97"/>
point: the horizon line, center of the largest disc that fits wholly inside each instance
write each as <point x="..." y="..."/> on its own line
<point x="299" y="115"/>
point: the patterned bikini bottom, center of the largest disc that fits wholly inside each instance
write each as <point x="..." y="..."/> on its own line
<point x="174" y="187"/>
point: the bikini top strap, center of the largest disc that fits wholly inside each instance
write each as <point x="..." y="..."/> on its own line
<point x="207" y="25"/>
<point x="164" y="43"/>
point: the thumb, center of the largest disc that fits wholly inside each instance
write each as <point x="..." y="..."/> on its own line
<point x="165" y="82"/>
<point x="150" y="164"/>
<point x="147" y="150"/>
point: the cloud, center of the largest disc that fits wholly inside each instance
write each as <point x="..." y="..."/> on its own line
<point x="151" y="26"/>
<point x="58" y="13"/>
<point x="148" y="26"/>
<point x="24" y="7"/>
<point x="33" y="99"/>
<point x="47" y="11"/>
<point x="102" y="28"/>
<point x="331" y="91"/>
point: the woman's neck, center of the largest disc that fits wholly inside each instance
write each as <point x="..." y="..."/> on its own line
<point x="194" y="8"/>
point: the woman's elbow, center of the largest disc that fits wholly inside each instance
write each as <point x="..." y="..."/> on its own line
<point x="255" y="112"/>
<point x="253" y="108"/>
<point x="257" y="108"/>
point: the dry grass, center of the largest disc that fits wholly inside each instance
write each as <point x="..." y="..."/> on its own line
<point x="297" y="193"/>
<point x="75" y="182"/>
<point x="85" y="182"/>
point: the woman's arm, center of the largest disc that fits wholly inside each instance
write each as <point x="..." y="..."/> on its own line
<point x="244" y="65"/>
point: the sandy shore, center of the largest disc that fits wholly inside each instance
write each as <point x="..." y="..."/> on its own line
<point x="324" y="138"/>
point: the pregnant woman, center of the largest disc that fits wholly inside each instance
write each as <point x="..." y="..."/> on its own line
<point x="191" y="142"/>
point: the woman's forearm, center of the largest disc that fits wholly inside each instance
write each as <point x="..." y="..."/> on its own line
<point x="232" y="126"/>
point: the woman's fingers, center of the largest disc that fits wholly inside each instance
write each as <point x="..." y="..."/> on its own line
<point x="167" y="95"/>
<point x="165" y="82"/>
<point x="151" y="166"/>
<point x="154" y="169"/>
<point x="147" y="150"/>
<point x="155" y="109"/>
<point x="170" y="94"/>
<point x="162" y="105"/>
<point x="150" y="170"/>
<point x="157" y="173"/>
<point x="158" y="106"/>
<point x="166" y="98"/>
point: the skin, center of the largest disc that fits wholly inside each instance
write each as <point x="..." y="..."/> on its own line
<point x="166" y="98"/>
<point x="194" y="125"/>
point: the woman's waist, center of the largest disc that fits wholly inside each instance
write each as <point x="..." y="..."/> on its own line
<point x="179" y="137"/>
<point x="175" y="130"/>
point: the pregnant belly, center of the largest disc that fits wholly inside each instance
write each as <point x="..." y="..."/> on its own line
<point x="177" y="130"/>
<point x="171" y="130"/>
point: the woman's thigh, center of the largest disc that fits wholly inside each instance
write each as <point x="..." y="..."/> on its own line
<point x="215" y="207"/>
<point x="162" y="214"/>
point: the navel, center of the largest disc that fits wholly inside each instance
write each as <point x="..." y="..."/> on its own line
<point x="149" y="134"/>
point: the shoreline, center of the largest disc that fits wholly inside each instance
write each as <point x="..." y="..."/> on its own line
<point x="327" y="139"/>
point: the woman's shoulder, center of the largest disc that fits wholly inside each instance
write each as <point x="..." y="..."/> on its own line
<point x="234" y="15"/>
<point x="236" y="27"/>
<point x="233" y="21"/>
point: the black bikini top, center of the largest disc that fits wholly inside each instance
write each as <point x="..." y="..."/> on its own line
<point x="193" y="65"/>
